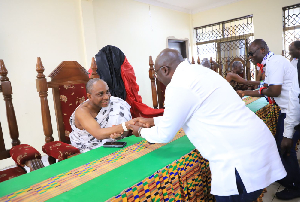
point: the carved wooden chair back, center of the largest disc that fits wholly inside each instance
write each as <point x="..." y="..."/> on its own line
<point x="22" y="154"/>
<point x="68" y="82"/>
<point x="6" y="89"/>
<point x="157" y="88"/>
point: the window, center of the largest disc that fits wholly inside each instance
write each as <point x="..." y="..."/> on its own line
<point x="291" y="27"/>
<point x="225" y="41"/>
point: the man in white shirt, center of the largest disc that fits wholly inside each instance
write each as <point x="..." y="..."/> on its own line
<point x="280" y="75"/>
<point x="292" y="119"/>
<point x="240" y="148"/>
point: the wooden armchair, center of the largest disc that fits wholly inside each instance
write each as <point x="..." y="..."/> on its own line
<point x="68" y="82"/>
<point x="22" y="154"/>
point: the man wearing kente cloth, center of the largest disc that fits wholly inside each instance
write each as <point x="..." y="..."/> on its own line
<point x="99" y="119"/>
<point x="235" y="79"/>
<point x="280" y="76"/>
<point x="241" y="150"/>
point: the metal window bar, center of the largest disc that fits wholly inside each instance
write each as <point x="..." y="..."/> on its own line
<point x="226" y="40"/>
<point x="291" y="27"/>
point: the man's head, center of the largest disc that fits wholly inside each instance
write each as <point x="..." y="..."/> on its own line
<point x="98" y="92"/>
<point x="165" y="65"/>
<point x="294" y="49"/>
<point x="237" y="67"/>
<point x="258" y="49"/>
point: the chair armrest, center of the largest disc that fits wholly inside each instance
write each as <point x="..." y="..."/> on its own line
<point x="22" y="153"/>
<point x="59" y="150"/>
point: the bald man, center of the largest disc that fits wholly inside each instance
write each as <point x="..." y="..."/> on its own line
<point x="241" y="150"/>
<point x="99" y="119"/>
<point x="279" y="76"/>
<point x="235" y="80"/>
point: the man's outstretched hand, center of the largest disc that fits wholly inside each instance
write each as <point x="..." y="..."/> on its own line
<point x="135" y="130"/>
<point x="286" y="146"/>
<point x="144" y="122"/>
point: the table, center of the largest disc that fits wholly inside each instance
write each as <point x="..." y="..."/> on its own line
<point x="138" y="172"/>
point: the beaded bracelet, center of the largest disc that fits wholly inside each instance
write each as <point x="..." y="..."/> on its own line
<point x="260" y="90"/>
<point x="139" y="131"/>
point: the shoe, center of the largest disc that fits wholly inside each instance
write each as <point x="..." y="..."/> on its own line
<point x="288" y="194"/>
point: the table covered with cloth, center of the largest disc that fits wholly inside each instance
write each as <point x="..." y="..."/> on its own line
<point x="138" y="172"/>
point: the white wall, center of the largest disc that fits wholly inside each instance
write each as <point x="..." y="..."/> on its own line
<point x="267" y="18"/>
<point x="30" y="29"/>
<point x="139" y="30"/>
<point x="60" y="30"/>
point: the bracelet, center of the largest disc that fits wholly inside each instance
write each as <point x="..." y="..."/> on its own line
<point x="260" y="90"/>
<point x="124" y="127"/>
<point x="139" y="131"/>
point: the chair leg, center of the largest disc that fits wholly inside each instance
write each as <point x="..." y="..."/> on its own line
<point x="51" y="160"/>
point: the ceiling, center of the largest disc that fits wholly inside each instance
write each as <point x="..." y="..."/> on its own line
<point x="188" y="6"/>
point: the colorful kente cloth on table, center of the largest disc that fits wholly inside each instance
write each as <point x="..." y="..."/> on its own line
<point x="186" y="179"/>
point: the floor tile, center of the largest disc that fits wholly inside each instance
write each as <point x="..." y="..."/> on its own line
<point x="270" y="194"/>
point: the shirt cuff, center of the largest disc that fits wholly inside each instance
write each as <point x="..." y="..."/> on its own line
<point x="157" y="120"/>
<point x="288" y="133"/>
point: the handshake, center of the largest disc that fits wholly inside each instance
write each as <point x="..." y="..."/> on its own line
<point x="135" y="125"/>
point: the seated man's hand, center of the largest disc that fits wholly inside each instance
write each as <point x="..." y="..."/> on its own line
<point x="240" y="93"/>
<point x="144" y="122"/>
<point x="115" y="135"/>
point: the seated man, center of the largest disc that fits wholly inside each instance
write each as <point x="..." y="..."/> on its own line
<point x="235" y="80"/>
<point x="99" y="118"/>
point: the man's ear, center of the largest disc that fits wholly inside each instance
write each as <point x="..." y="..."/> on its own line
<point x="88" y="95"/>
<point x="165" y="70"/>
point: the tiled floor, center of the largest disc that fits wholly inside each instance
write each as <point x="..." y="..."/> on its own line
<point x="269" y="196"/>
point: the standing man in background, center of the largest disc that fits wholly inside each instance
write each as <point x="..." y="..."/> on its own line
<point x="289" y="140"/>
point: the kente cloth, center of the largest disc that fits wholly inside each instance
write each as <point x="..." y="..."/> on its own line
<point x="117" y="112"/>
<point x="69" y="180"/>
<point x="186" y="179"/>
<point x="109" y="60"/>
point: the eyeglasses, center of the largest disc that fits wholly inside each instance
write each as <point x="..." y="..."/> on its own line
<point x="251" y="54"/>
<point x="155" y="71"/>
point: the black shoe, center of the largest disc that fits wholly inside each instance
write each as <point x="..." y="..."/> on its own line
<point x="288" y="194"/>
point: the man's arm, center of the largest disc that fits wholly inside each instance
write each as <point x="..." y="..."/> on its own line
<point x="292" y="118"/>
<point x="271" y="91"/>
<point x="91" y="126"/>
<point x="180" y="104"/>
<point x="237" y="78"/>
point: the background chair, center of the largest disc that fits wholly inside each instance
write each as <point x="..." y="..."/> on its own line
<point x="68" y="82"/>
<point x="22" y="154"/>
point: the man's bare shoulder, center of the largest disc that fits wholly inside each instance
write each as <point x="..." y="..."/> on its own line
<point x="83" y="109"/>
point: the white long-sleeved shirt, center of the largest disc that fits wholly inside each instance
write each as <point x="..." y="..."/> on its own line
<point x="293" y="112"/>
<point x="221" y="127"/>
<point x="279" y="71"/>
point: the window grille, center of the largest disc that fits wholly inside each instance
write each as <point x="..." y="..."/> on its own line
<point x="291" y="27"/>
<point x="224" y="41"/>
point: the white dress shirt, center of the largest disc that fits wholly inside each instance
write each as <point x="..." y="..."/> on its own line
<point x="221" y="127"/>
<point x="294" y="62"/>
<point x="293" y="112"/>
<point x="279" y="71"/>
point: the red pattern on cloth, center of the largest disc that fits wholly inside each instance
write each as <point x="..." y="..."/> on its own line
<point x="132" y="97"/>
<point x="24" y="152"/>
<point x="59" y="150"/>
<point x="71" y="96"/>
<point x="11" y="173"/>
